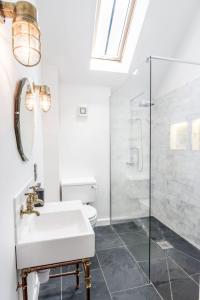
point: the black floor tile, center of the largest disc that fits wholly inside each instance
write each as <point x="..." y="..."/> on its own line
<point x="120" y="271"/>
<point x="126" y="227"/>
<point x="158" y="270"/>
<point x="187" y="263"/>
<point x="99" y="290"/>
<point x="185" y="289"/>
<point x="185" y="247"/>
<point x="161" y="232"/>
<point x="106" y="238"/>
<point x="123" y="276"/>
<point x="141" y="251"/>
<point x="50" y="290"/>
<point x="159" y="276"/>
<point x="165" y="273"/>
<point x="196" y="278"/>
<point x="134" y="238"/>
<point x="141" y="293"/>
<point x="182" y="286"/>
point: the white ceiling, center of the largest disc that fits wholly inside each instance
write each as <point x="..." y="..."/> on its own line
<point x="67" y="30"/>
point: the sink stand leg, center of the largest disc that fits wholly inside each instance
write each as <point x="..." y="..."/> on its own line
<point x="86" y="265"/>
<point x="24" y="286"/>
<point x="77" y="276"/>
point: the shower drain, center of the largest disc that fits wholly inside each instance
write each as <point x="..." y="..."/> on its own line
<point x="164" y="245"/>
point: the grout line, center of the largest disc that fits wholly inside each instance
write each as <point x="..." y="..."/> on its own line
<point x="153" y="259"/>
<point x="157" y="292"/>
<point x="104" y="277"/>
<point x="194" y="273"/>
<point x="184" y="270"/>
<point x="121" y="246"/>
<point x="133" y="288"/>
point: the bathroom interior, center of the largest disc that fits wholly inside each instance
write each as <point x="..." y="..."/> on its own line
<point x="100" y="150"/>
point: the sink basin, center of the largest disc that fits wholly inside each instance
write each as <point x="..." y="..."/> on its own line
<point x="60" y="233"/>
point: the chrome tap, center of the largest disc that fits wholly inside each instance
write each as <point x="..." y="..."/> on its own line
<point x="29" y="205"/>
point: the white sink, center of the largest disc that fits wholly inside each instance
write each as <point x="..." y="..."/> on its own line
<point x="61" y="233"/>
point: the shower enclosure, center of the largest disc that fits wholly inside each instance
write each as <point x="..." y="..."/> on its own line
<point x="155" y="168"/>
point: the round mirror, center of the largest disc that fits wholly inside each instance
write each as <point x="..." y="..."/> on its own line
<point x="24" y="118"/>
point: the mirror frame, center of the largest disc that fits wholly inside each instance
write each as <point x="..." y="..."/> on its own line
<point x="17" y="100"/>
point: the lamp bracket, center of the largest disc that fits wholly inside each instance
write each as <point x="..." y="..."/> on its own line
<point x="6" y="10"/>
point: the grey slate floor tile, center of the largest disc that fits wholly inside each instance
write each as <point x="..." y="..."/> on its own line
<point x="123" y="277"/>
<point x="99" y="290"/>
<point x="187" y="263"/>
<point x="120" y="271"/>
<point x="134" y="238"/>
<point x="141" y="251"/>
<point x="51" y="290"/>
<point x="126" y="227"/>
<point x="106" y="238"/>
<point x="185" y="247"/>
<point x="196" y="278"/>
<point x="171" y="282"/>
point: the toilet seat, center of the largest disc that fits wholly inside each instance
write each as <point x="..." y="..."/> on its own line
<point x="91" y="213"/>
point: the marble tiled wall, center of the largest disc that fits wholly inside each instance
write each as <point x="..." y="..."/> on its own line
<point x="129" y="186"/>
<point x="176" y="173"/>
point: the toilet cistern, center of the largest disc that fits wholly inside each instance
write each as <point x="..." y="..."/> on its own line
<point x="83" y="189"/>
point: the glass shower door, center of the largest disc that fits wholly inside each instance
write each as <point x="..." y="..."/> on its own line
<point x="130" y="162"/>
<point x="175" y="180"/>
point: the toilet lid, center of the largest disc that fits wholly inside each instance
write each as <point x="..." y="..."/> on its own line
<point x="90" y="211"/>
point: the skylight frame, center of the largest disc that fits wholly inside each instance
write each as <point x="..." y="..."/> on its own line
<point x="124" y="36"/>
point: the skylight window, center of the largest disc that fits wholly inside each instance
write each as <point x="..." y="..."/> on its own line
<point x="113" y="20"/>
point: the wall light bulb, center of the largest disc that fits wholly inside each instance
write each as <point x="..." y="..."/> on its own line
<point x="29" y="100"/>
<point x="44" y="96"/>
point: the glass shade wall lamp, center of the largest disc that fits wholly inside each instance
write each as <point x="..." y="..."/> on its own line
<point x="44" y="97"/>
<point x="26" y="43"/>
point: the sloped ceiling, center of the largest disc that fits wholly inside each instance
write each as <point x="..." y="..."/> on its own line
<point x="67" y="30"/>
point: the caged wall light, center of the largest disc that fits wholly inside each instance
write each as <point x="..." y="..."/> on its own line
<point x="26" y="43"/>
<point x="44" y="97"/>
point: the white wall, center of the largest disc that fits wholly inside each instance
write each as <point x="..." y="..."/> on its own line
<point x="85" y="142"/>
<point x="189" y="49"/>
<point x="51" y="136"/>
<point x="14" y="172"/>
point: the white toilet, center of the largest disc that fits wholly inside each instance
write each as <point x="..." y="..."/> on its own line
<point x="83" y="189"/>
